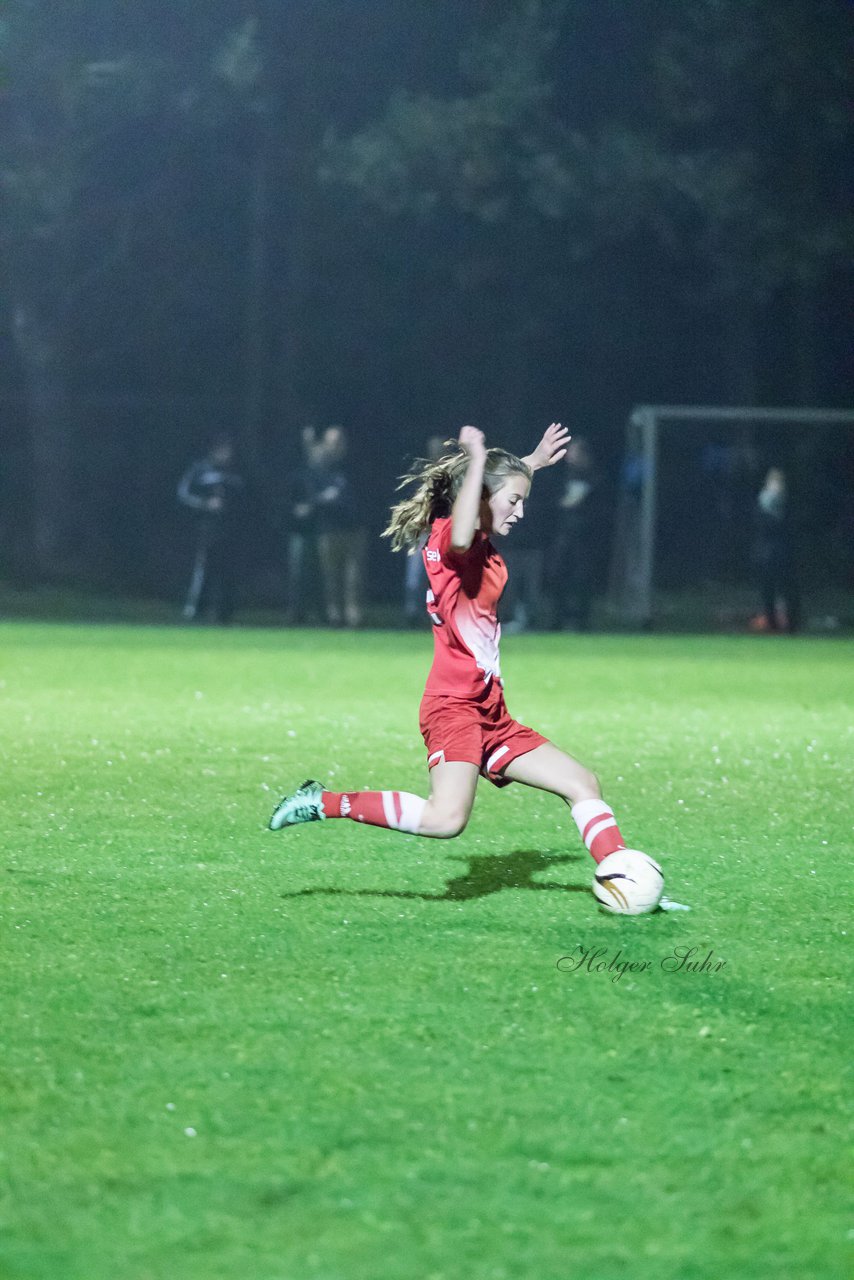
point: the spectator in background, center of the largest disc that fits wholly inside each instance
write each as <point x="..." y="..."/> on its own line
<point x="774" y="556"/>
<point x="302" y="531"/>
<point x="575" y="551"/>
<point x="728" y="470"/>
<point x="341" y="535"/>
<point x="415" y="573"/>
<point x="212" y="488"/>
<point x="522" y="599"/>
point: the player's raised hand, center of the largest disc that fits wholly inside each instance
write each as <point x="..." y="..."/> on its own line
<point x="473" y="442"/>
<point x="551" y="448"/>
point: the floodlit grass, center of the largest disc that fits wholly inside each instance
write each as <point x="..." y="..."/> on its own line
<point x="340" y="1053"/>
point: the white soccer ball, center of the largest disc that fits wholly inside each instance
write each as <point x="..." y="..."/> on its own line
<point x="628" y="882"/>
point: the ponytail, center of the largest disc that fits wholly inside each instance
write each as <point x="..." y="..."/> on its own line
<point x="438" y="483"/>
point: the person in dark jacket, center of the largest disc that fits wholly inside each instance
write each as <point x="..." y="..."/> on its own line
<point x="573" y="560"/>
<point x="212" y="489"/>
<point x="774" y="555"/>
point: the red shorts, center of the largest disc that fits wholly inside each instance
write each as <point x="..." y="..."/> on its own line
<point x="481" y="733"/>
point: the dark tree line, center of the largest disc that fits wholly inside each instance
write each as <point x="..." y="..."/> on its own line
<point x="400" y="216"/>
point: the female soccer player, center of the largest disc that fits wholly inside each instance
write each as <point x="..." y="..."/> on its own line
<point x="465" y="499"/>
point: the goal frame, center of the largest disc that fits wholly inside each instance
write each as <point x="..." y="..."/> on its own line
<point x="631" y="579"/>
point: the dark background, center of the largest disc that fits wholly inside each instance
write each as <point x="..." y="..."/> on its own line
<point x="401" y="217"/>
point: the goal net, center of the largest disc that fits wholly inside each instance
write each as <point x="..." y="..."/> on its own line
<point x="684" y="544"/>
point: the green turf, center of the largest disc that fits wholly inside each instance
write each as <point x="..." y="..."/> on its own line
<point x="338" y="1053"/>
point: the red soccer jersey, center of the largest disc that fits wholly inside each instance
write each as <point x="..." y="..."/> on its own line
<point x="462" y="597"/>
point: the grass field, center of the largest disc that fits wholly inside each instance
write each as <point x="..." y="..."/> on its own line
<point x="338" y="1053"/>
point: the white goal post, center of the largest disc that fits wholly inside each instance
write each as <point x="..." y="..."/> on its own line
<point x="632" y="572"/>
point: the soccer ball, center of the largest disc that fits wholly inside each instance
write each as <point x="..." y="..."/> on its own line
<point x="628" y="882"/>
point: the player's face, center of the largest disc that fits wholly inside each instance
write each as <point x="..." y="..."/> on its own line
<point x="507" y="504"/>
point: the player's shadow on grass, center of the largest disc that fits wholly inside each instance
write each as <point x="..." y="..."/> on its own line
<point x="485" y="875"/>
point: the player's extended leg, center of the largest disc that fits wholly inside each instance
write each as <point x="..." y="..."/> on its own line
<point x="550" y="769"/>
<point x="443" y="815"/>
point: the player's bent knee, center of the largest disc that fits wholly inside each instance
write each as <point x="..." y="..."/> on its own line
<point x="445" y="824"/>
<point x="457" y="823"/>
<point x="452" y="823"/>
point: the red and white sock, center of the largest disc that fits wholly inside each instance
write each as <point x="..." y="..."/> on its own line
<point x="397" y="810"/>
<point x="598" y="827"/>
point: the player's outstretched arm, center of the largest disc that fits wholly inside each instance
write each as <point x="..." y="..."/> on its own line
<point x="551" y="448"/>
<point x="466" y="509"/>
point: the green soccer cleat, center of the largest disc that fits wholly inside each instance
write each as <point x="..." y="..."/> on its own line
<point x="303" y="806"/>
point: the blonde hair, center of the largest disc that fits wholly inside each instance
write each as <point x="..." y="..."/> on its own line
<point x="438" y="483"/>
